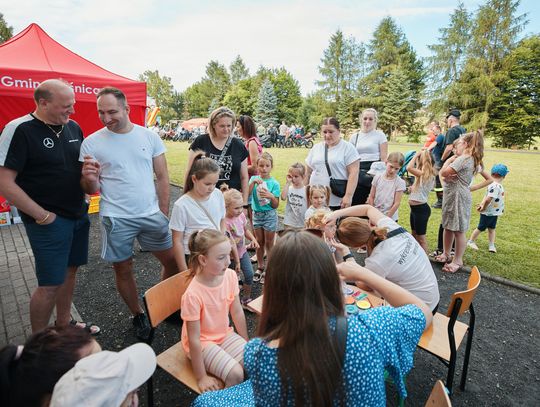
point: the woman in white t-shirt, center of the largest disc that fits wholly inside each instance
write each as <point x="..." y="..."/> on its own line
<point x="342" y="160"/>
<point x="371" y="145"/>
<point x="392" y="252"/>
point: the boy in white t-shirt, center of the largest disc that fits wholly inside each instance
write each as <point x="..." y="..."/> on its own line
<point x="387" y="188"/>
<point x="491" y="207"/>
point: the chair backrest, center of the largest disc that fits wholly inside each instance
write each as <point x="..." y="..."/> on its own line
<point x="439" y="396"/>
<point x="165" y="298"/>
<point x="466" y="296"/>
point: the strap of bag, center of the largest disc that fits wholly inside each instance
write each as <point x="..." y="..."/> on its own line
<point x="326" y="160"/>
<point x="224" y="151"/>
<point x="395" y="232"/>
<point x="341" y="336"/>
<point x="206" y="213"/>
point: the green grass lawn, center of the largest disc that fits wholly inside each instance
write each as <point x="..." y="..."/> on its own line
<point x="518" y="230"/>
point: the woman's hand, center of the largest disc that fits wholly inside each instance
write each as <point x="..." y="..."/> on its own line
<point x="341" y="249"/>
<point x="350" y="271"/>
<point x="330" y="218"/>
<point x="208" y="383"/>
<point x="346" y="201"/>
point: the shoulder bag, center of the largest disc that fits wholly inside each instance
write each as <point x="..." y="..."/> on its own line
<point x="337" y="186"/>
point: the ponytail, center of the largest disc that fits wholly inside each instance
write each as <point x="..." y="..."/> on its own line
<point x="200" y="168"/>
<point x="475" y="145"/>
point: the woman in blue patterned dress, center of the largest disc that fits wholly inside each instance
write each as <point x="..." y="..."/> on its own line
<point x="295" y="360"/>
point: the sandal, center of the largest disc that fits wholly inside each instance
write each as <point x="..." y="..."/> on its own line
<point x="442" y="258"/>
<point x="258" y="274"/>
<point x="262" y="277"/>
<point x="452" y="267"/>
<point x="87" y="326"/>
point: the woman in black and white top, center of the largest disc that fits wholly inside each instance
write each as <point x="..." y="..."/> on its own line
<point x="372" y="145"/>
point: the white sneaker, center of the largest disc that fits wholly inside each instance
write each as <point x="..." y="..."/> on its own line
<point x="473" y="245"/>
<point x="492" y="248"/>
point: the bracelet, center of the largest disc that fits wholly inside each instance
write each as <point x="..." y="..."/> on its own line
<point x="40" y="222"/>
<point x="348" y="256"/>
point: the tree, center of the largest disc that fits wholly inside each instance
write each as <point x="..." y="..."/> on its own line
<point x="313" y="110"/>
<point x="198" y="98"/>
<point x="515" y="117"/>
<point x="161" y="89"/>
<point x="287" y="91"/>
<point x="219" y="80"/>
<point x="6" y="31"/>
<point x="241" y="97"/>
<point x="266" y="112"/>
<point x="494" y="35"/>
<point x="238" y="70"/>
<point x="448" y="59"/>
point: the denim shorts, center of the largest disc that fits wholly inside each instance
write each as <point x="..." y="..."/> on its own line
<point x="57" y="246"/>
<point x="118" y="235"/>
<point x="267" y="220"/>
<point x="487" y="222"/>
<point x="246" y="267"/>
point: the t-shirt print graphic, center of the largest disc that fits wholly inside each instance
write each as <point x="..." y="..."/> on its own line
<point x="225" y="165"/>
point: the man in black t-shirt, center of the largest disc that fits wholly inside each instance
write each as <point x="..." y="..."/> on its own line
<point x="40" y="174"/>
<point x="454" y="131"/>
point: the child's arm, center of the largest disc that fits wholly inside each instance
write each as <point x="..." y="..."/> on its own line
<point x="251" y="237"/>
<point x="371" y="197"/>
<point x="235" y="256"/>
<point x="205" y="382"/>
<point x="487" y="180"/>
<point x="411" y="167"/>
<point x="178" y="249"/>
<point x="274" y="200"/>
<point x="238" y="317"/>
<point x="483" y="205"/>
<point x="395" y="206"/>
<point x="286" y="188"/>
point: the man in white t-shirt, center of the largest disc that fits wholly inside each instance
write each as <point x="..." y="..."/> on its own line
<point x="120" y="161"/>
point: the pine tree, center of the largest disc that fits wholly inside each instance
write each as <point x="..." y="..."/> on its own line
<point x="494" y="35"/>
<point x="6" y="31"/>
<point x="219" y="79"/>
<point x="266" y="111"/>
<point x="398" y="112"/>
<point x="514" y="119"/>
<point x="238" y="70"/>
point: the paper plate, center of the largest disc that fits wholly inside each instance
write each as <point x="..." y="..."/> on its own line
<point x="351" y="309"/>
<point x="363" y="304"/>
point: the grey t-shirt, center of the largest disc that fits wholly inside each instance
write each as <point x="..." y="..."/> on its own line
<point x="296" y="207"/>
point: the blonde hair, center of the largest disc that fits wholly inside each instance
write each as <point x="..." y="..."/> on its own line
<point x="475" y="147"/>
<point x="301" y="168"/>
<point x="356" y="232"/>
<point x="424" y="163"/>
<point x="217" y="114"/>
<point x="199" y="243"/>
<point x="231" y="195"/>
<point x="375" y="117"/>
<point x="396" y="157"/>
<point x="315" y="221"/>
<point x="321" y="188"/>
<point x="267" y="157"/>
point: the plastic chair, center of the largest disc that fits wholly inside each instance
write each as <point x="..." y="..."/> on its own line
<point x="161" y="301"/>
<point x="446" y="333"/>
<point x="439" y="396"/>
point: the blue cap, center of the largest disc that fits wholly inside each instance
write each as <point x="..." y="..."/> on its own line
<point x="500" y="169"/>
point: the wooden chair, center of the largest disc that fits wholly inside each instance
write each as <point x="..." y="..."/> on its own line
<point x="446" y="333"/>
<point x="161" y="301"/>
<point x="439" y="396"/>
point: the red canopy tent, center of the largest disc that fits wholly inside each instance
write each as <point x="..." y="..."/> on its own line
<point x="32" y="56"/>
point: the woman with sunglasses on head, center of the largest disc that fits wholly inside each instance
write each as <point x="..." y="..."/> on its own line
<point x="372" y="146"/>
<point x="392" y="252"/>
<point x="307" y="352"/>
<point x="228" y="151"/>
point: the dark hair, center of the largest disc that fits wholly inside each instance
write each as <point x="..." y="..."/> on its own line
<point x="117" y="93"/>
<point x="330" y="121"/>
<point x="308" y="360"/>
<point x="248" y="126"/>
<point x="46" y="356"/>
<point x="201" y="167"/>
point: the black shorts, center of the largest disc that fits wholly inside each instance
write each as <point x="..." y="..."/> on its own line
<point x="419" y="218"/>
<point x="487" y="222"/>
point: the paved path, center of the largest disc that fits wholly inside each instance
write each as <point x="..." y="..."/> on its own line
<point x="17" y="282"/>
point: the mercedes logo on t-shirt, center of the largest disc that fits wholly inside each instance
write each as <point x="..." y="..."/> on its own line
<point x="48" y="142"/>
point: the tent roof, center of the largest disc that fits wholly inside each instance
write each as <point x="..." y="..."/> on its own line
<point x="34" y="48"/>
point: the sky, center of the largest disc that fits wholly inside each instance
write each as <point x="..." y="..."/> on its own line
<point x="178" y="38"/>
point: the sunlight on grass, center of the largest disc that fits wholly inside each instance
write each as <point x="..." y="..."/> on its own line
<point x="518" y="230"/>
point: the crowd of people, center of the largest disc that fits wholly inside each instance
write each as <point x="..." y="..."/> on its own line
<point x="346" y="195"/>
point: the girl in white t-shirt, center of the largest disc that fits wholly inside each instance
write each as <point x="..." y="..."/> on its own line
<point x="294" y="193"/>
<point x="200" y="207"/>
<point x="421" y="166"/>
<point x="318" y="197"/>
<point x="392" y="252"/>
<point x="387" y="188"/>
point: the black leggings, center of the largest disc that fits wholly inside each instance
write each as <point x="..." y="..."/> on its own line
<point x="419" y="218"/>
<point x="363" y="189"/>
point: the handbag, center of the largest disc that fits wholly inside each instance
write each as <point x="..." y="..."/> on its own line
<point x="337" y="186"/>
<point x="364" y="179"/>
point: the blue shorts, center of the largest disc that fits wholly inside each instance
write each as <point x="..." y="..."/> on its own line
<point x="267" y="220"/>
<point x="118" y="235"/>
<point x="57" y="246"/>
<point x="246" y="267"/>
<point x="487" y="222"/>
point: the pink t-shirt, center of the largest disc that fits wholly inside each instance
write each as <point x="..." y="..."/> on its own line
<point x="210" y="306"/>
<point x="236" y="228"/>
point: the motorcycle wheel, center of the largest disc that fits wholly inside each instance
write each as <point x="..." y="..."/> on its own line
<point x="288" y="144"/>
<point x="309" y="144"/>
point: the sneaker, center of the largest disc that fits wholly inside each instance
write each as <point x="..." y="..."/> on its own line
<point x="492" y="248"/>
<point x="472" y="245"/>
<point x="437" y="205"/>
<point x="142" y="326"/>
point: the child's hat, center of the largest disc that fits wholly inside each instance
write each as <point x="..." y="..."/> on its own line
<point x="377" y="167"/>
<point x="500" y="169"/>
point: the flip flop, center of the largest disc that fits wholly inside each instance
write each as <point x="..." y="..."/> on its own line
<point x="452" y="268"/>
<point x="87" y="326"/>
<point x="258" y="274"/>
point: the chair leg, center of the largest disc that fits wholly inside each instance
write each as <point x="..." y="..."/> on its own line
<point x="452" y="343"/>
<point x="150" y="390"/>
<point x="468" y="349"/>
